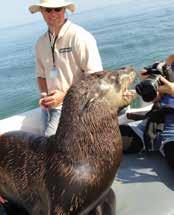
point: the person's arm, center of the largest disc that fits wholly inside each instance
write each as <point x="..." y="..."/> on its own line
<point x="42" y="85"/>
<point x="167" y="87"/>
<point x="88" y="54"/>
<point x="53" y="99"/>
<point x="136" y="116"/>
<point x="43" y="91"/>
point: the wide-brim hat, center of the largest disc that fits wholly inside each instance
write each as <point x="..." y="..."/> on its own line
<point x="52" y="4"/>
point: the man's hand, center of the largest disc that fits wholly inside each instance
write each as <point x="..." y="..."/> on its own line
<point x="54" y="99"/>
<point x="167" y="87"/>
<point x="2" y="200"/>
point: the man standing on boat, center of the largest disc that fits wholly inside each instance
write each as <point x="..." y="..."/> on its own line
<point x="63" y="53"/>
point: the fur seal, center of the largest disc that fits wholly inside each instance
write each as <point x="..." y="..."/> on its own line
<point x="70" y="173"/>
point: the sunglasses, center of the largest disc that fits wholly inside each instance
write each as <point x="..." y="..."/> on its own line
<point x="48" y="10"/>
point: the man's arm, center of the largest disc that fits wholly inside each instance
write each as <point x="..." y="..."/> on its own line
<point x="53" y="99"/>
<point x="88" y="54"/>
<point x="42" y="84"/>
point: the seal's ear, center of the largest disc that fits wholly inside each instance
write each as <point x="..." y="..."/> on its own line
<point x="88" y="101"/>
<point x="86" y="105"/>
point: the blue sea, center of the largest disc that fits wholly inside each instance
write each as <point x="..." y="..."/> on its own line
<point x="128" y="33"/>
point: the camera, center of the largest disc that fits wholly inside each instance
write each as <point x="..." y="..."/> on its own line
<point x="148" y="88"/>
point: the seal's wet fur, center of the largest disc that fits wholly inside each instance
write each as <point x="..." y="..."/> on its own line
<point x="71" y="172"/>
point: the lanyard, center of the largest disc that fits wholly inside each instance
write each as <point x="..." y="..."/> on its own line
<point x="52" y="48"/>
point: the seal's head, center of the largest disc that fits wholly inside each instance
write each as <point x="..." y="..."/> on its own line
<point x="108" y="88"/>
<point x="114" y="87"/>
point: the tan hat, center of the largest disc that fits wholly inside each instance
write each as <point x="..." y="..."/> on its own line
<point x="52" y="4"/>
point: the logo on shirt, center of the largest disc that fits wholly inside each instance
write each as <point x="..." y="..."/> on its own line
<point x="63" y="50"/>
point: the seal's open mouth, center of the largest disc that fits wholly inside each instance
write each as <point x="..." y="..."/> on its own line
<point x="115" y="87"/>
<point x="127" y="77"/>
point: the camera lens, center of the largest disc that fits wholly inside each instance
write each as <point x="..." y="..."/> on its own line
<point x="148" y="93"/>
<point x="147" y="89"/>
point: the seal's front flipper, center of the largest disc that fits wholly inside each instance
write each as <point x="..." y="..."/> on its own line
<point x="107" y="206"/>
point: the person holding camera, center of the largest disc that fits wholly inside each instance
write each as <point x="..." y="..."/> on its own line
<point x="167" y="87"/>
<point x="156" y="130"/>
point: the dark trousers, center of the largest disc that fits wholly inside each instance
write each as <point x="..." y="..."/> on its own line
<point x="132" y="143"/>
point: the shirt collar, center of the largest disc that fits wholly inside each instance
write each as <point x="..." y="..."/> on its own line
<point x="62" y="30"/>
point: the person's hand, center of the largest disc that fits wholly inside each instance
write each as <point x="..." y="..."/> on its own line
<point x="143" y="74"/>
<point x="41" y="100"/>
<point x="2" y="200"/>
<point x="167" y="87"/>
<point x="54" y="99"/>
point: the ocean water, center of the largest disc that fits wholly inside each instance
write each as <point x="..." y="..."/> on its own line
<point x="128" y="32"/>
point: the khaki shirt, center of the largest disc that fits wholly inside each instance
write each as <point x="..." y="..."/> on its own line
<point x="75" y="52"/>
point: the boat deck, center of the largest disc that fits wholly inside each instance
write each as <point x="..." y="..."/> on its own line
<point x="144" y="186"/>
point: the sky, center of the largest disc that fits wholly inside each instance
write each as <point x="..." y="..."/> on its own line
<point x="15" y="12"/>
